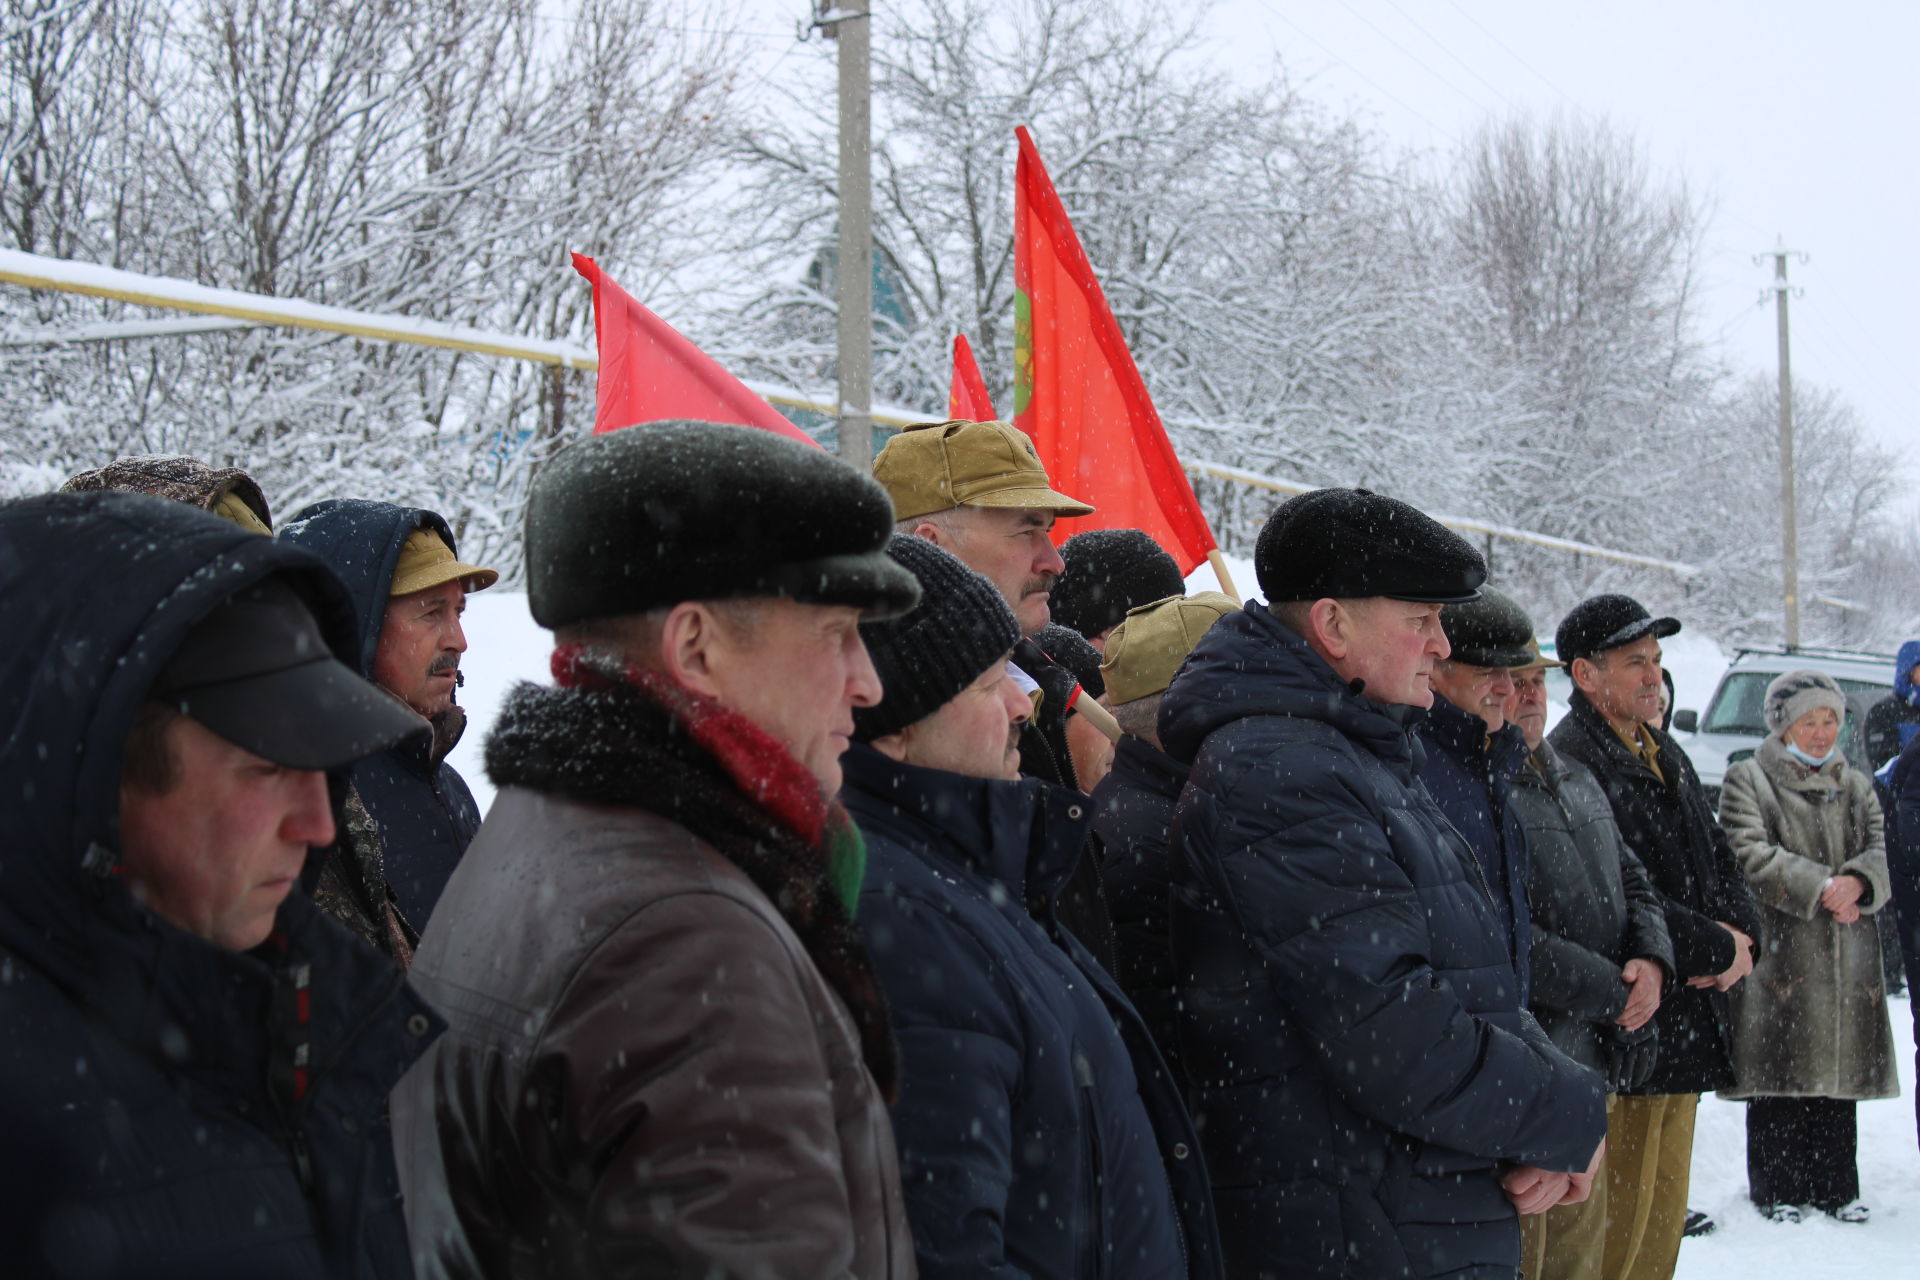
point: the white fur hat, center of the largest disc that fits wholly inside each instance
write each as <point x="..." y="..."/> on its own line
<point x="1797" y="692"/>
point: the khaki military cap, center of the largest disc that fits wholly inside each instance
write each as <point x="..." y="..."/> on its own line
<point x="937" y="466"/>
<point x="1151" y="642"/>
<point x="426" y="561"/>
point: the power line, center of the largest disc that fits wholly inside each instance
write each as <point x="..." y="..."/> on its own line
<point x="1377" y="87"/>
<point x="1438" y="44"/>
<point x="1537" y="74"/>
<point x="1415" y="58"/>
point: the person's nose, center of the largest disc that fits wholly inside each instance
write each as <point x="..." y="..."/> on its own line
<point x="457" y="637"/>
<point x="1048" y="558"/>
<point x="1503" y="686"/>
<point x="1019" y="706"/>
<point x="863" y="682"/>
<point x="309" y="819"/>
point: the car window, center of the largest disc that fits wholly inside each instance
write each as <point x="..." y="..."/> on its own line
<point x="1740" y="704"/>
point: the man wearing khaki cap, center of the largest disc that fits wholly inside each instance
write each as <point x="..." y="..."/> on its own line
<point x="1133" y="805"/>
<point x="979" y="491"/>
<point x="409" y="587"/>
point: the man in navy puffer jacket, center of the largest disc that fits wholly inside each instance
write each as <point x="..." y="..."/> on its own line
<point x="1040" y="1132"/>
<point x="1374" y="1100"/>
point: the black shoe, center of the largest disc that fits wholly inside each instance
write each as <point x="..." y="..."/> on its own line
<point x="1699" y="1224"/>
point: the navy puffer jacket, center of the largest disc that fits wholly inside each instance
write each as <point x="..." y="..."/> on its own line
<point x="1470" y="773"/>
<point x="218" y="1114"/>
<point x="1040" y="1133"/>
<point x="427" y="815"/>
<point x="1350" y="1022"/>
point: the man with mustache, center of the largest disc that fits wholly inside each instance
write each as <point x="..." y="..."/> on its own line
<point x="978" y="491"/>
<point x="1040" y="1132"/>
<point x="409" y="588"/>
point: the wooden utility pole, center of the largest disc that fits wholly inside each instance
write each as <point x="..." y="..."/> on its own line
<point x="1789" y="511"/>
<point x="854" y="276"/>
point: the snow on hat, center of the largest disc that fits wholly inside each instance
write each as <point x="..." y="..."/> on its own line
<point x="1110" y="571"/>
<point x="1355" y="543"/>
<point x="926" y="657"/>
<point x="1797" y="692"/>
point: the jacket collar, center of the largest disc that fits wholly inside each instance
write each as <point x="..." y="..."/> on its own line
<point x="1543" y="767"/>
<point x="1138" y="763"/>
<point x="1619" y="755"/>
<point x="1785" y="771"/>
<point x="1026" y="835"/>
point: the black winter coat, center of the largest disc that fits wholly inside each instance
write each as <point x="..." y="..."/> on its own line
<point x="205" y="1127"/>
<point x="1469" y="774"/>
<point x="1083" y="905"/>
<point x="1349" y="1020"/>
<point x="426" y="814"/>
<point x="1132" y="811"/>
<point x="1666" y="821"/>
<point x="1593" y="908"/>
<point x="1040" y="1132"/>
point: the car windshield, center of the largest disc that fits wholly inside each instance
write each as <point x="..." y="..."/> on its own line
<point x="1740" y="705"/>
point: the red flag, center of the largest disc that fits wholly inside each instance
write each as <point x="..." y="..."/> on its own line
<point x="968" y="399"/>
<point x="648" y="371"/>
<point x="1077" y="392"/>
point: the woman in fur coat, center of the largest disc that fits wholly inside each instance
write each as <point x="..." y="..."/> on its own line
<point x="1811" y="1036"/>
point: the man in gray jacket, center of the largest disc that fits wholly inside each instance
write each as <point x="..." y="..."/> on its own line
<point x="1601" y="955"/>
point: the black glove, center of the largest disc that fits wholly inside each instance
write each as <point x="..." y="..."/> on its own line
<point x="1631" y="1056"/>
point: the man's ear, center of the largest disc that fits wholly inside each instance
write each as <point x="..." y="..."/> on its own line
<point x="1586" y="675"/>
<point x="933" y="533"/>
<point x="689" y="643"/>
<point x="1330" y="627"/>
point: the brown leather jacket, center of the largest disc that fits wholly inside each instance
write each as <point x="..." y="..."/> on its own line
<point x="645" y="1074"/>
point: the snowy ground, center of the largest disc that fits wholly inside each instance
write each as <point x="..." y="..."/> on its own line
<point x="506" y="646"/>
<point x="1747" y="1246"/>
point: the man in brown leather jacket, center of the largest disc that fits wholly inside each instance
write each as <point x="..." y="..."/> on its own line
<point x="668" y="1055"/>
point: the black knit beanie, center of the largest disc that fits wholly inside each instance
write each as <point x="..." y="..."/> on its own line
<point x="1110" y="571"/>
<point x="1070" y="649"/>
<point x="961" y="627"/>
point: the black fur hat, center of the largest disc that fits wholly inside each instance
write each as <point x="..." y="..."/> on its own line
<point x="1110" y="571"/>
<point x="655" y="514"/>
<point x="1351" y="543"/>
<point x="1600" y="623"/>
<point x="1491" y="631"/>
<point x="1070" y="649"/>
<point x="925" y="657"/>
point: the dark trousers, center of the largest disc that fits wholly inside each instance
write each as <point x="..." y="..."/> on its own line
<point x="1801" y="1151"/>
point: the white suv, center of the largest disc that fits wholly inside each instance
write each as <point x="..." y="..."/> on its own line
<point x="1735" y="721"/>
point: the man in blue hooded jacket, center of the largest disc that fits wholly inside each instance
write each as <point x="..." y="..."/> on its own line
<point x="409" y="588"/>
<point x="201" y="1053"/>
<point x="1894" y="721"/>
<point x="1373" y="1098"/>
<point x="1040" y="1132"/>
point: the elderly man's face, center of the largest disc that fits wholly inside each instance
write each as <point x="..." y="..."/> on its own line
<point x="217" y="852"/>
<point x="1623" y="684"/>
<point x="1480" y="691"/>
<point x="1392" y="646"/>
<point x="1528" y="705"/>
<point x="418" y="659"/>
<point x="975" y="733"/>
<point x="1009" y="547"/>
<point x="797" y="671"/>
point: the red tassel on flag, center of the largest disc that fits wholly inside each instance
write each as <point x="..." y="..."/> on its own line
<point x="968" y="398"/>
<point x="649" y="371"/>
<point x="1077" y="391"/>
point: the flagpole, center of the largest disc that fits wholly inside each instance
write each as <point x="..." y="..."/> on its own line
<point x="1219" y="563"/>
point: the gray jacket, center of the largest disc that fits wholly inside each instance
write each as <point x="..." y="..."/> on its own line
<point x="1811" y="1021"/>
<point x="1593" y="909"/>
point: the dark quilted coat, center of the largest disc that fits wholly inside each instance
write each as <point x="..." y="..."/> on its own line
<point x="1350" y="1022"/>
<point x="1666" y="821"/>
<point x="159" y="1066"/>
<point x="1040" y="1132"/>
<point x="426" y="814"/>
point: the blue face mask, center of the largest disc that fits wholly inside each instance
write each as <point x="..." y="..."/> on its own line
<point x="1810" y="761"/>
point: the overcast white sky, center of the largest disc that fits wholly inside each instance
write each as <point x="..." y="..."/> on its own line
<point x="1795" y="120"/>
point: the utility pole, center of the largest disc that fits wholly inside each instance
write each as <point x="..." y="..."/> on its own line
<point x="1789" y="511"/>
<point x="854" y="275"/>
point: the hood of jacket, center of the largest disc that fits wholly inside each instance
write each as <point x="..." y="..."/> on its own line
<point x="1903" y="665"/>
<point x="96" y="592"/>
<point x="361" y="542"/>
<point x="1252" y="664"/>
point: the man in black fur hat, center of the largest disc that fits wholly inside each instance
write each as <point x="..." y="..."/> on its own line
<point x="668" y="1053"/>
<point x="1109" y="573"/>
